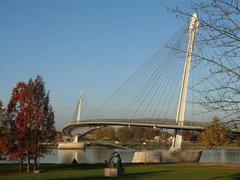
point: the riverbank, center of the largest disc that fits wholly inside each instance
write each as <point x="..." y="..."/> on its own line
<point x="153" y="145"/>
<point x="149" y="171"/>
<point x="149" y="145"/>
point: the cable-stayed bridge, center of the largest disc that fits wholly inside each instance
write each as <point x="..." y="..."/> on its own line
<point x="84" y="127"/>
<point x="169" y="85"/>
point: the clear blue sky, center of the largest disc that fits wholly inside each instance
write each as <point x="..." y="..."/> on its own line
<point x="89" y="45"/>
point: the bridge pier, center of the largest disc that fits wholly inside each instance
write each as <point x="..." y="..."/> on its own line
<point x="177" y="140"/>
<point x="75" y="139"/>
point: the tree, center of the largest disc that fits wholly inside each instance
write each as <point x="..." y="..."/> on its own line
<point x="43" y="118"/>
<point x="125" y="134"/>
<point x="216" y="134"/>
<point x="107" y="132"/>
<point x="3" y="130"/>
<point x="220" y="20"/>
<point x="2" y="113"/>
<point x="190" y="136"/>
<point x="138" y="133"/>
<point x="18" y="122"/>
<point x="150" y="133"/>
<point x="31" y="121"/>
<point x="164" y="136"/>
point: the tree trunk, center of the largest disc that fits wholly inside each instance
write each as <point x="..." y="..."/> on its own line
<point x="36" y="151"/>
<point x="28" y="164"/>
<point x="35" y="164"/>
<point x="28" y="153"/>
<point x="21" y="166"/>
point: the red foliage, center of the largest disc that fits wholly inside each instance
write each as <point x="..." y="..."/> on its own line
<point x="28" y="112"/>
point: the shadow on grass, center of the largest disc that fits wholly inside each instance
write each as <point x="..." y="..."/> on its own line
<point x="146" y="173"/>
<point x="11" y="169"/>
<point x="126" y="176"/>
<point x="235" y="176"/>
<point x="54" y="167"/>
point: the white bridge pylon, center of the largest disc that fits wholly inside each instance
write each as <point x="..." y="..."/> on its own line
<point x="177" y="140"/>
<point x="78" y="114"/>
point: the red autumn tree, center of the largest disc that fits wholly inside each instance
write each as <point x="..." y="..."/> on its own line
<point x="18" y="121"/>
<point x="31" y="120"/>
<point x="3" y="130"/>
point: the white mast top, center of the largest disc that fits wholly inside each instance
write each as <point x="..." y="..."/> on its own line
<point x="79" y="107"/>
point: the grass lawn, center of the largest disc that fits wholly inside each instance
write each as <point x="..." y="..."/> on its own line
<point x="133" y="172"/>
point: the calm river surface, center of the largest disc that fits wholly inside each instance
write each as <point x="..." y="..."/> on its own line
<point x="99" y="155"/>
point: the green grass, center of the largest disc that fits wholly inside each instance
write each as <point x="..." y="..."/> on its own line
<point x="133" y="172"/>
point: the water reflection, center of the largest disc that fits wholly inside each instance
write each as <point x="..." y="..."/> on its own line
<point x="99" y="155"/>
<point x="232" y="156"/>
<point x="96" y="155"/>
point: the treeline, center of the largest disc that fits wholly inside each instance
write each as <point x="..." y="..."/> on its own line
<point x="124" y="134"/>
<point x="26" y="122"/>
<point x="215" y="135"/>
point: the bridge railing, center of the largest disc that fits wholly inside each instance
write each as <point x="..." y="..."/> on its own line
<point x="147" y="120"/>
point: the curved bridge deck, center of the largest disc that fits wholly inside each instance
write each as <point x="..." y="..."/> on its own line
<point x="71" y="128"/>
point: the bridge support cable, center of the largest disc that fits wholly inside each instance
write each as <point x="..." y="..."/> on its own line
<point x="145" y="92"/>
<point x="146" y="103"/>
<point x="144" y="99"/>
<point x="166" y="89"/>
<point x="150" y="96"/>
<point x="152" y="91"/>
<point x="137" y="93"/>
<point x="162" y="75"/>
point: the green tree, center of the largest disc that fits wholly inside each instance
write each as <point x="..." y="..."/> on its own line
<point x="216" y="134"/>
<point x="44" y="125"/>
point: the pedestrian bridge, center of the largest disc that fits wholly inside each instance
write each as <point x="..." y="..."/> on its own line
<point x="83" y="127"/>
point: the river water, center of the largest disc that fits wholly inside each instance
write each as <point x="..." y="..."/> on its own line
<point x="99" y="155"/>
